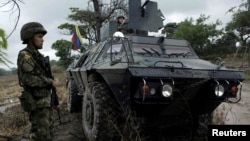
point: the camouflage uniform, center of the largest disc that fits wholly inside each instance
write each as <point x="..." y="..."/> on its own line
<point x="122" y="27"/>
<point x="33" y="79"/>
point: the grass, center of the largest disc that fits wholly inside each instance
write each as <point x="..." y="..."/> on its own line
<point x="15" y="121"/>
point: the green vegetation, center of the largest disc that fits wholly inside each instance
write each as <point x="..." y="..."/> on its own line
<point x="3" y="46"/>
<point x="209" y="41"/>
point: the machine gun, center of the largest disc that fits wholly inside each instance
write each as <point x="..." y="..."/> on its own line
<point x="54" y="97"/>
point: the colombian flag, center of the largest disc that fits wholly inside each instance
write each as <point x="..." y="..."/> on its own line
<point x="76" y="38"/>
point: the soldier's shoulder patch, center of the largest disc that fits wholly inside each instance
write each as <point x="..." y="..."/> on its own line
<point x="26" y="55"/>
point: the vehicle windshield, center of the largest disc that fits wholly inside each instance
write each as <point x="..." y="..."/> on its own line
<point x="116" y="48"/>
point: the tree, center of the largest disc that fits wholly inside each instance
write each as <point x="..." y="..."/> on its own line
<point x="90" y="20"/>
<point x="3" y="46"/>
<point x="199" y="34"/>
<point x="240" y="24"/>
<point x="169" y="29"/>
<point x="63" y="47"/>
<point x="14" y="7"/>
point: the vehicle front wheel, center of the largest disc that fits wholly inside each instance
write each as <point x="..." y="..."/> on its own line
<point x="201" y="123"/>
<point x="99" y="113"/>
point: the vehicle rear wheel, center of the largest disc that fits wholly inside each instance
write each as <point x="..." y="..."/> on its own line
<point x="73" y="100"/>
<point x="99" y="113"/>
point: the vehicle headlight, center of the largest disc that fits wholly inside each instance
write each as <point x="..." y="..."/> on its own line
<point x="219" y="90"/>
<point x="167" y="90"/>
<point x="152" y="91"/>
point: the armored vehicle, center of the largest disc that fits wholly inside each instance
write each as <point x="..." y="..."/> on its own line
<point x="135" y="85"/>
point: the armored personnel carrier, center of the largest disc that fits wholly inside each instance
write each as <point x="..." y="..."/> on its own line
<point x="135" y="85"/>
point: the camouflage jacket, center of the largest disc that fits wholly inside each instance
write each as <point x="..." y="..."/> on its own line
<point x="123" y="27"/>
<point x="32" y="77"/>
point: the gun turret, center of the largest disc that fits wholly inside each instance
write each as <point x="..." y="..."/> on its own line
<point x="146" y="17"/>
<point x="142" y="19"/>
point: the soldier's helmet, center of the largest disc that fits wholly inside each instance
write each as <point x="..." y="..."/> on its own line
<point x="29" y="29"/>
<point x="120" y="17"/>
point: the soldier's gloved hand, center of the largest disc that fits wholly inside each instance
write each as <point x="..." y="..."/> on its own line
<point x="57" y="107"/>
<point x="53" y="83"/>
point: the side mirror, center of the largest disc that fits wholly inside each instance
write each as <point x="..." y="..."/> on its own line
<point x="238" y="45"/>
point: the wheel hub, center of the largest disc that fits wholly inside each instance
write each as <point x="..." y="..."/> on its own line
<point x="89" y="113"/>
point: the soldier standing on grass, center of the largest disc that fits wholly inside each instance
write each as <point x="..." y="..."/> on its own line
<point x="36" y="95"/>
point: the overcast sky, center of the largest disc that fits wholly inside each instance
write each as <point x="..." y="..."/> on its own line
<point x="52" y="13"/>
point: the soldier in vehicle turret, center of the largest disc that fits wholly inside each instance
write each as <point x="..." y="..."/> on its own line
<point x="122" y="24"/>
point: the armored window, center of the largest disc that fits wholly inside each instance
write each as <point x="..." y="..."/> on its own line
<point x="176" y="49"/>
<point x="146" y="48"/>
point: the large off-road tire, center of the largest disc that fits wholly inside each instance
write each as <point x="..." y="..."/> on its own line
<point x="201" y="123"/>
<point x="99" y="113"/>
<point x="74" y="101"/>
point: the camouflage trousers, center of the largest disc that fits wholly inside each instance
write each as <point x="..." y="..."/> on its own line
<point x="41" y="124"/>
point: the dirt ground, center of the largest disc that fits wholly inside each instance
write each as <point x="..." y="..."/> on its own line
<point x="238" y="114"/>
<point x="70" y="128"/>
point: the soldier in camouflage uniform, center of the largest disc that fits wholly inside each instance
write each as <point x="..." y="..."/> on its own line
<point x="122" y="24"/>
<point x="32" y="77"/>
